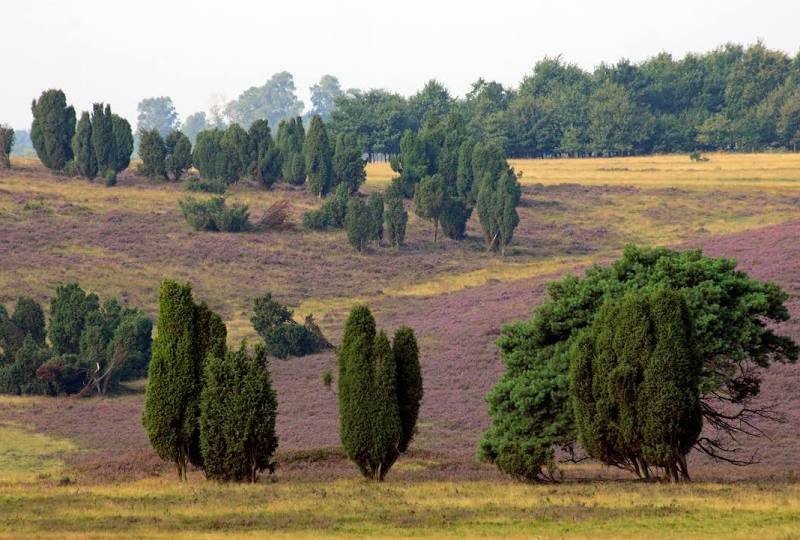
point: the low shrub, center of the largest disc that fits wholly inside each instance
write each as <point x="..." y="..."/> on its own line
<point x="214" y="215"/>
<point x="206" y="186"/>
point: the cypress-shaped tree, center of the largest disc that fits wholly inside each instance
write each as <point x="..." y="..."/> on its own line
<point x="429" y="200"/>
<point x="375" y="205"/>
<point x="83" y="149"/>
<point x="52" y="129"/>
<point x="380" y="388"/>
<point x="237" y="419"/>
<point x="103" y="138"/>
<point x="123" y="142"/>
<point x="356" y="376"/>
<point x="348" y="167"/>
<point x="290" y="139"/>
<point x="173" y="385"/>
<point x="178" y="154"/>
<point x="386" y="425"/>
<point x="409" y="383"/>
<point x="153" y="152"/>
<point x="7" y="137"/>
<point x="358" y="224"/>
<point x="317" y="154"/>
<point x="396" y="216"/>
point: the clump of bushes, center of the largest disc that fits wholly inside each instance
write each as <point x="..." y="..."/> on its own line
<point x="380" y="389"/>
<point x="215" y="215"/>
<point x="332" y="213"/>
<point x="92" y="347"/>
<point x="206" y="186"/>
<point x="697" y="156"/>
<point x="283" y="337"/>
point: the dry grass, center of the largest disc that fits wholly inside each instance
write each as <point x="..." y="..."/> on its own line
<point x="721" y="171"/>
<point x="162" y="508"/>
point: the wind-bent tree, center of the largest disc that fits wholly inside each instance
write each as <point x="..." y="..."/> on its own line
<point x="380" y="389"/>
<point x="186" y="334"/>
<point x="52" y="129"/>
<point x="530" y="407"/>
<point x="317" y="152"/>
<point x="634" y="384"/>
<point x="237" y="416"/>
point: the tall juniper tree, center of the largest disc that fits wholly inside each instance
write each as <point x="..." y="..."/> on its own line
<point x="52" y="129"/>
<point x="317" y="154"/>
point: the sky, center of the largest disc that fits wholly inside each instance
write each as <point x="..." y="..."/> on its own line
<point x="120" y="51"/>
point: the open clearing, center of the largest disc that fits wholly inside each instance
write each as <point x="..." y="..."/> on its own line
<point x="124" y="240"/>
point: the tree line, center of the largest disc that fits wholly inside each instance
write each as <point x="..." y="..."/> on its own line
<point x="632" y="361"/>
<point x="215" y="408"/>
<point x="731" y="98"/>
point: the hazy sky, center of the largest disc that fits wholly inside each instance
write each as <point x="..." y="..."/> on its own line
<point x="122" y="51"/>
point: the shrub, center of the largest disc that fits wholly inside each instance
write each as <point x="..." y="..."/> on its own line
<point x="206" y="186"/>
<point x="317" y="153"/>
<point x="347" y="165"/>
<point x="332" y="213"/>
<point x="110" y="178"/>
<point x="6" y="144"/>
<point x="214" y="215"/>
<point x="396" y="216"/>
<point x="380" y="388"/>
<point x="237" y="416"/>
<point x="178" y="157"/>
<point x="282" y="336"/>
<point x="454" y="217"/>
<point x="429" y="199"/>
<point x="68" y="312"/>
<point x="375" y="205"/>
<point x="52" y="129"/>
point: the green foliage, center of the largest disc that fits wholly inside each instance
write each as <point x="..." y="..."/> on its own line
<point x="234" y="145"/>
<point x="52" y="129"/>
<point x="103" y="142"/>
<point x="276" y="100"/>
<point x="237" y="416"/>
<point x="206" y="186"/>
<point x="348" y="167"/>
<point x="358" y="224"/>
<point x="83" y="149"/>
<point x="282" y="336"/>
<point x="332" y="213"/>
<point x="178" y="157"/>
<point x="19" y="375"/>
<point x="375" y="206"/>
<point x="396" y="216"/>
<point x="464" y="173"/>
<point x="194" y="124"/>
<point x="634" y="384"/>
<point x="453" y="217"/>
<point x="380" y="387"/>
<point x="498" y="198"/>
<point x="187" y="333"/>
<point x="317" y="153"/>
<point x="429" y="200"/>
<point x="215" y="215"/>
<point x="264" y="155"/>
<point x="530" y="407"/>
<point x="290" y="139"/>
<point x="152" y="152"/>
<point x="28" y="318"/>
<point x="7" y="137"/>
<point x="69" y="309"/>
<point x="123" y="142"/>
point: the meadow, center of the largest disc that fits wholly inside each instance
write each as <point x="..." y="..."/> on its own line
<point x="83" y="468"/>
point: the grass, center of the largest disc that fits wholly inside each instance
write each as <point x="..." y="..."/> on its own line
<point x="26" y="455"/>
<point x="163" y="508"/>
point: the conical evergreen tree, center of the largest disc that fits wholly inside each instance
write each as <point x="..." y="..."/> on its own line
<point x="123" y="142"/>
<point x="317" y="153"/>
<point x="83" y="149"/>
<point x="387" y="428"/>
<point x="103" y="138"/>
<point x="347" y="165"/>
<point x="409" y="382"/>
<point x="52" y="129"/>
